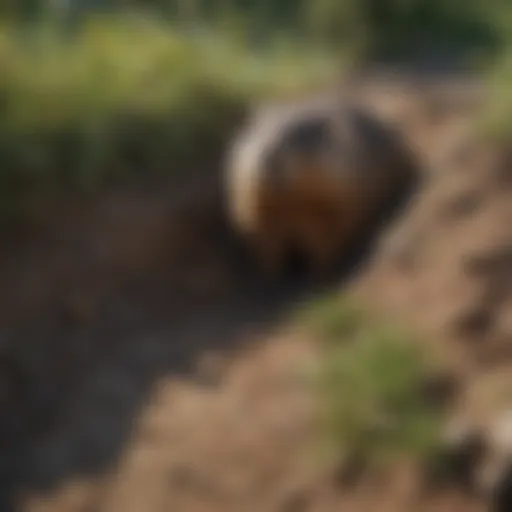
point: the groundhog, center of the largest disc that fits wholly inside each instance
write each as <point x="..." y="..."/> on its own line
<point x="308" y="178"/>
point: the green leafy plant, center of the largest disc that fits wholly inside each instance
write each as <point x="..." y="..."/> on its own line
<point x="371" y="384"/>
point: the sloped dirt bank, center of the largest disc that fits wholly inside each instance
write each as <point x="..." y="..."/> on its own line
<point x="145" y="364"/>
<point x="105" y="297"/>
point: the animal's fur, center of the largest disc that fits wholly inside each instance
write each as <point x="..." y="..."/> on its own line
<point x="309" y="177"/>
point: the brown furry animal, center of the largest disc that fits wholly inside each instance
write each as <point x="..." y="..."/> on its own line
<point x="309" y="177"/>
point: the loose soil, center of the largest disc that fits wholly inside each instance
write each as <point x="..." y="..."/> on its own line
<point x="148" y="367"/>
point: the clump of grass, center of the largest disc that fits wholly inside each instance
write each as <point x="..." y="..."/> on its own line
<point x="371" y="383"/>
<point x="332" y="317"/>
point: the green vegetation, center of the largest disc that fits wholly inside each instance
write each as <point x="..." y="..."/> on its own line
<point x="127" y="96"/>
<point x="371" y="385"/>
<point x="377" y="25"/>
<point x="85" y="99"/>
<point x="393" y="28"/>
<point x="497" y="117"/>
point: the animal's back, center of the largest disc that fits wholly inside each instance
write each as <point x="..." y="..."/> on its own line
<point x="336" y="146"/>
<point x="309" y="172"/>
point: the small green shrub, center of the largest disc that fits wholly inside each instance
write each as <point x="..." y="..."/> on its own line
<point x="371" y="384"/>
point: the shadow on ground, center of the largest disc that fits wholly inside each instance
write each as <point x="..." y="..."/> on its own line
<point x="102" y="298"/>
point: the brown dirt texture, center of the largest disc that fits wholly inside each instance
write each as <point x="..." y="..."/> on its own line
<point x="147" y="367"/>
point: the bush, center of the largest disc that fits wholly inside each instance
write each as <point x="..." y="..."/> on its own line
<point x="126" y="95"/>
<point x="371" y="385"/>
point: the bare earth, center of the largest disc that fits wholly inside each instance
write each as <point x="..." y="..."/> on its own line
<point x="150" y="369"/>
